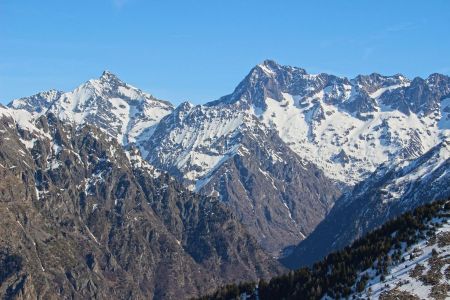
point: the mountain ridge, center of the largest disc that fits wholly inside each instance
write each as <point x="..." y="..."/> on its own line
<point x="345" y="127"/>
<point x="120" y="109"/>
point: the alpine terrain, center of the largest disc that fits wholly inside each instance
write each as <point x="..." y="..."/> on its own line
<point x="107" y="191"/>
<point x="81" y="217"/>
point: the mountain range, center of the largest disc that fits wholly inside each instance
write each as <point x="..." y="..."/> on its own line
<point x="296" y="164"/>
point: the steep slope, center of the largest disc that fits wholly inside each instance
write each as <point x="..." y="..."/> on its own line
<point x="422" y="272"/>
<point x="407" y="258"/>
<point x="82" y="218"/>
<point x="278" y="196"/>
<point x="390" y="191"/>
<point x="121" y="110"/>
<point x="228" y="153"/>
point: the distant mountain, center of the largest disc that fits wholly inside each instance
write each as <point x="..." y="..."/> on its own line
<point x="38" y="103"/>
<point x="334" y="122"/>
<point x="121" y="110"/>
<point x="388" y="192"/>
<point x="81" y="217"/>
<point x="348" y="127"/>
<point x="407" y="258"/>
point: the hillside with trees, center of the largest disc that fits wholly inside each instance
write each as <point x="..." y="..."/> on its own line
<point x="408" y="255"/>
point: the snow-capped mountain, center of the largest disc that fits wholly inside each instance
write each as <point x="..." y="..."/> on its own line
<point x="193" y="140"/>
<point x="121" y="110"/>
<point x="279" y="121"/>
<point x="390" y="191"/>
<point x="346" y="126"/>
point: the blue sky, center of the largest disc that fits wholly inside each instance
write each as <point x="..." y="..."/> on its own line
<point x="200" y="50"/>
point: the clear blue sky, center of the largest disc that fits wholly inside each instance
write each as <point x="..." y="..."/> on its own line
<point x="200" y="50"/>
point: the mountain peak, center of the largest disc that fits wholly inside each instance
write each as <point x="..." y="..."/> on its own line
<point x="108" y="76"/>
<point x="269" y="63"/>
<point x="269" y="67"/>
<point x="107" y="73"/>
<point x="186" y="105"/>
<point x="266" y="80"/>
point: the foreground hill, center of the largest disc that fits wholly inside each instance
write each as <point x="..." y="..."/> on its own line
<point x="407" y="258"/>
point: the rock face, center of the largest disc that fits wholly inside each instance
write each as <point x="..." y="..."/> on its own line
<point x="279" y="197"/>
<point x="387" y="193"/>
<point x="229" y="153"/>
<point x="83" y="218"/>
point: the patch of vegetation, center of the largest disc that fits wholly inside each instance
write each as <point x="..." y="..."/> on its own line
<point x="440" y="291"/>
<point x="417" y="271"/>
<point x="396" y="294"/>
<point x="443" y="239"/>
<point x="434" y="275"/>
<point x="447" y="273"/>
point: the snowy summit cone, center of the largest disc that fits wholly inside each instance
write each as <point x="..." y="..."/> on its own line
<point x="121" y="110"/>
